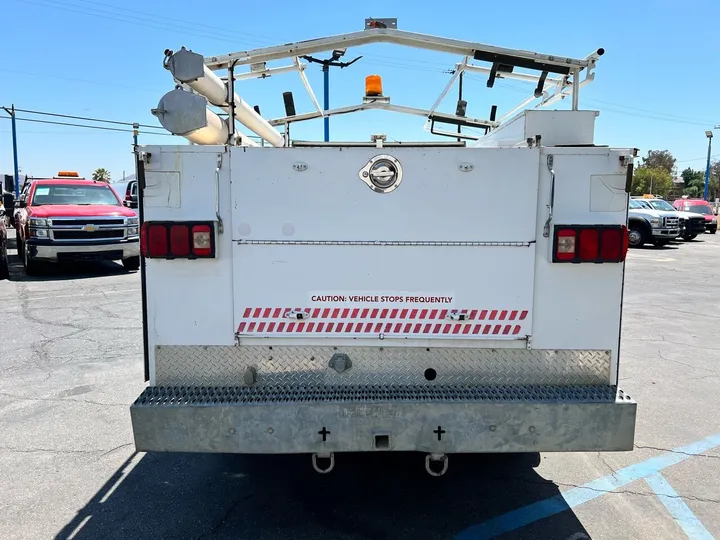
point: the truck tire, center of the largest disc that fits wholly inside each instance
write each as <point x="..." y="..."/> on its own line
<point x="133" y="263"/>
<point x="637" y="234"/>
<point x="31" y="267"/>
<point x="713" y="230"/>
<point x="688" y="237"/>
<point x="4" y="267"/>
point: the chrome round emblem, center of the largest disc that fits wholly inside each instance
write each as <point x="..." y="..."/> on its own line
<point x="383" y="173"/>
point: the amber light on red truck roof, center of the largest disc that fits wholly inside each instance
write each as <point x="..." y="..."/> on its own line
<point x="590" y="243"/>
<point x="177" y="240"/>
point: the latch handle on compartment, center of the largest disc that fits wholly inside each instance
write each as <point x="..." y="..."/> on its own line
<point x="298" y="314"/>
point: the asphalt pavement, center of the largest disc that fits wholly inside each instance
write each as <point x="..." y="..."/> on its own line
<point x="71" y="364"/>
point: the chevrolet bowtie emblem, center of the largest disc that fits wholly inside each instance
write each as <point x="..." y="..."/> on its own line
<point x="90" y="228"/>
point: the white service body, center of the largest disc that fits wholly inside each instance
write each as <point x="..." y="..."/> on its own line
<point x="430" y="318"/>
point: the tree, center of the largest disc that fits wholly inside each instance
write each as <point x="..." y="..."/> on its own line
<point x="101" y="175"/>
<point x="659" y="159"/>
<point x="714" y="180"/>
<point x="695" y="182"/>
<point x="690" y="175"/>
<point x="656" y="181"/>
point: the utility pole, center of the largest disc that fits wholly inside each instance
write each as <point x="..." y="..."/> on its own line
<point x="326" y="64"/>
<point x="11" y="112"/>
<point x="709" y="135"/>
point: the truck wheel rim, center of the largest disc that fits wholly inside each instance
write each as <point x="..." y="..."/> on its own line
<point x="634" y="237"/>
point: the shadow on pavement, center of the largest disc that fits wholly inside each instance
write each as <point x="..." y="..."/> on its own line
<point x="367" y="496"/>
<point x="61" y="272"/>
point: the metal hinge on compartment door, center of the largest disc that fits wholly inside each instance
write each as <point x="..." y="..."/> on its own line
<point x="217" y="193"/>
<point x="546" y="228"/>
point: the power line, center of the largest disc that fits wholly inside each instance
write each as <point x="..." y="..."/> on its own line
<point x="102" y="128"/>
<point x="218" y="33"/>
<point x="649" y="111"/>
<point x="703" y="158"/>
<point x="72" y="79"/>
<point x="87" y="119"/>
<point x="191" y="23"/>
<point x="231" y="36"/>
<point x="135" y="21"/>
<point x="223" y="35"/>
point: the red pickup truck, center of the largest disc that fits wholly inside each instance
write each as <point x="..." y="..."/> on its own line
<point x="699" y="206"/>
<point x="69" y="219"/>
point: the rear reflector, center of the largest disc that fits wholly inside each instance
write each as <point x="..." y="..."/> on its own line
<point x="565" y="245"/>
<point x="177" y="240"/>
<point x="590" y="243"/>
<point x="202" y="240"/>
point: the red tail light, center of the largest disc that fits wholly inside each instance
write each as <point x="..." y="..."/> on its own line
<point x="157" y="241"/>
<point x="590" y="243"/>
<point x="177" y="240"/>
<point x="180" y="240"/>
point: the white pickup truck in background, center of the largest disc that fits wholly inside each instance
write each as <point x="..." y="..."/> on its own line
<point x="321" y="298"/>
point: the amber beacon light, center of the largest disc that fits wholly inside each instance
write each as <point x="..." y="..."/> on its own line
<point x="373" y="85"/>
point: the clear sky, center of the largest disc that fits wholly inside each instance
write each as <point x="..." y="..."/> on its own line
<point x="657" y="86"/>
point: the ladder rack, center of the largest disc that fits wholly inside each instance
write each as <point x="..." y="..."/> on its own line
<point x="195" y="75"/>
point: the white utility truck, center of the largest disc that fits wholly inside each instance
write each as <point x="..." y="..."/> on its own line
<point x="328" y="297"/>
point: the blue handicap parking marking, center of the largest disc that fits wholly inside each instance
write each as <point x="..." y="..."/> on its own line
<point x="680" y="511"/>
<point x="571" y="498"/>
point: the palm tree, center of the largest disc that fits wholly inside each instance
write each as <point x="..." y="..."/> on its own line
<point x="101" y="175"/>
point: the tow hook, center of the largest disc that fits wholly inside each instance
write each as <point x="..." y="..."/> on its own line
<point x="328" y="460"/>
<point x="436" y="464"/>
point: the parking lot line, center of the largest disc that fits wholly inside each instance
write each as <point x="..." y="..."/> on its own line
<point x="680" y="511"/>
<point x="571" y="498"/>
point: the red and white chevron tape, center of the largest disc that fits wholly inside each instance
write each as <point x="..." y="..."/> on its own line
<point x="399" y="321"/>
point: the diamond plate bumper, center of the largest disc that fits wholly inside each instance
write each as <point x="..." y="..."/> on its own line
<point x="279" y="365"/>
<point x="435" y="419"/>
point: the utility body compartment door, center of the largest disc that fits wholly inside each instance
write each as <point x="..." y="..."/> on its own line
<point x="449" y="253"/>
